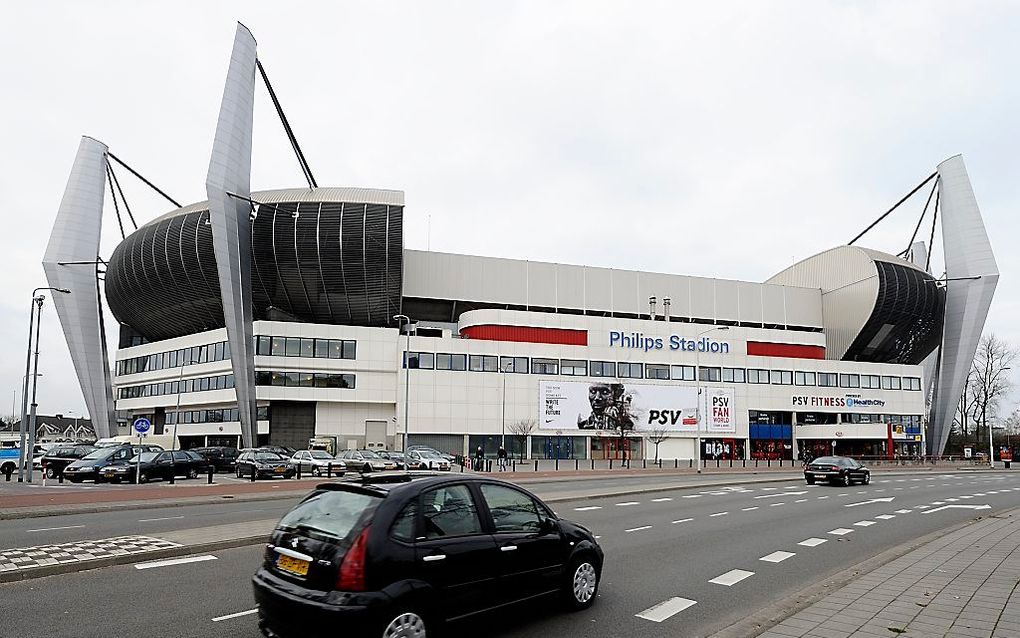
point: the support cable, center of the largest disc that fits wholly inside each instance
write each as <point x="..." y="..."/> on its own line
<point x="147" y="182"/>
<point x="923" y="213"/>
<point x="931" y="240"/>
<point x="122" y="198"/>
<point x="113" y="196"/>
<point x="895" y="206"/>
<point x="286" y="127"/>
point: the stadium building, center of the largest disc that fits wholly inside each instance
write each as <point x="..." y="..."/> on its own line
<point x="277" y="316"/>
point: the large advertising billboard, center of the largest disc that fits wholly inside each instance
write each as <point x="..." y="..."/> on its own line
<point x="611" y="405"/>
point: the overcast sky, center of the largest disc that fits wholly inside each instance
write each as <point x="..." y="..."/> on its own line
<point x="716" y="139"/>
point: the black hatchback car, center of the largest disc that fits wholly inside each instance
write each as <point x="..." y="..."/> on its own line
<point x="223" y="459"/>
<point x="401" y="554"/>
<point x="837" y="470"/>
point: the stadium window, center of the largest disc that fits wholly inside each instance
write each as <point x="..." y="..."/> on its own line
<point x="804" y="378"/>
<point x="603" y="369"/>
<point x="514" y="365"/>
<point x="682" y="373"/>
<point x="911" y="383"/>
<point x="483" y="363"/>
<point x="626" y="370"/>
<point x="574" y="367"/>
<point x="321" y="348"/>
<point x="827" y="379"/>
<point x="657" y="371"/>
<point x="758" y="376"/>
<point x="545" y="366"/>
<point x="891" y="383"/>
<point x="849" y="380"/>
<point x="734" y="375"/>
<point x="710" y="374"/>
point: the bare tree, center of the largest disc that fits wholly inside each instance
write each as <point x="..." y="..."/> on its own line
<point x="989" y="381"/>
<point x="521" y="429"/>
<point x="655" y="437"/>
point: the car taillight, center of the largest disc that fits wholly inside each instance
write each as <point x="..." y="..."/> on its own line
<point x="834" y="468"/>
<point x="351" y="576"/>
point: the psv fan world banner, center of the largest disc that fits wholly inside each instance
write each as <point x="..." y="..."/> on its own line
<point x="611" y="405"/>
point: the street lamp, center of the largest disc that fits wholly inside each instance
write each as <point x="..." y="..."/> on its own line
<point x="34" y="308"/>
<point x="405" y="321"/>
<point x="697" y="384"/>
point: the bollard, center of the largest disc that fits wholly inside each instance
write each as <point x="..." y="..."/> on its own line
<point x="60" y="478"/>
<point x="676" y="464"/>
<point x="253" y="473"/>
<point x="768" y="462"/>
<point x="462" y="466"/>
<point x="536" y="465"/>
<point x="210" y="471"/>
<point x="731" y="462"/>
<point x="743" y="462"/>
<point x="298" y="473"/>
<point x="329" y="470"/>
<point x="172" y="473"/>
<point x="577" y="464"/>
<point x="644" y="464"/>
<point x="513" y="465"/>
<point x="610" y="462"/>
<point x="690" y="464"/>
<point x="593" y="463"/>
<point x="556" y="466"/>
<point x="8" y="475"/>
<point x="717" y="462"/>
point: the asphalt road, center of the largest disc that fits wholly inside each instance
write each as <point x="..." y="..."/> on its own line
<point x="16" y="533"/>
<point x="659" y="547"/>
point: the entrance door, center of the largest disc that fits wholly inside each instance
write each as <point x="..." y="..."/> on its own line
<point x="375" y="435"/>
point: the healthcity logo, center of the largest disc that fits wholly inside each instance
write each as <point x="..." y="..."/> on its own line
<point x="638" y="341"/>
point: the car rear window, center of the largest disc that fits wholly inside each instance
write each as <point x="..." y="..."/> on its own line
<point x="331" y="513"/>
<point x="831" y="460"/>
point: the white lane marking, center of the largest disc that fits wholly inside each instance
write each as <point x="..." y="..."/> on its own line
<point x="718" y="514"/>
<point x="162" y="518"/>
<point x="777" y="557"/>
<point x="692" y="496"/>
<point x="661" y="500"/>
<point x="812" y="542"/>
<point x="628" y="503"/>
<point x="822" y="498"/>
<point x="938" y="503"/>
<point x="801" y="500"/>
<point x="174" y="561"/>
<point x="776" y="504"/>
<point x="952" y="500"/>
<point x="682" y="520"/>
<point x="960" y="507"/>
<point x="993" y="492"/>
<point x="637" y="529"/>
<point x="840" y="531"/>
<point x="864" y="492"/>
<point x="749" y="509"/>
<point x="897" y="489"/>
<point x="53" y="529"/>
<point x="666" y="609"/>
<point x="881" y="490"/>
<point x="782" y="494"/>
<point x="979" y="493"/>
<point x="887" y="499"/>
<point x="237" y="615"/>
<point x="844" y="494"/>
<point x="885" y="517"/>
<point x="967" y="496"/>
<point x="769" y="489"/>
<point x="791" y="487"/>
<point x="864" y="523"/>
<point x="731" y="577"/>
<point x="903" y="511"/>
<point x="588" y="508"/>
<point x="922" y="507"/>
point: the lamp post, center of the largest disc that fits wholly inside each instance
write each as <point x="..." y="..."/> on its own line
<point x="697" y="384"/>
<point x="405" y="321"/>
<point x="35" y="307"/>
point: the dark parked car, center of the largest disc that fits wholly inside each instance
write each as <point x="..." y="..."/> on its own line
<point x="400" y="555"/>
<point x="396" y="457"/>
<point x="223" y="459"/>
<point x="88" y="467"/>
<point x="264" y="464"/>
<point x="56" y="459"/>
<point x="282" y="450"/>
<point x="837" y="470"/>
<point x="155" y="464"/>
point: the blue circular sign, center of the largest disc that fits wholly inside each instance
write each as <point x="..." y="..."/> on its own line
<point x="142" y="425"/>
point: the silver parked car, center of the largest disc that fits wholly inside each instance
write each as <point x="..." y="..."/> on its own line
<point x="365" y="461"/>
<point x="318" y="463"/>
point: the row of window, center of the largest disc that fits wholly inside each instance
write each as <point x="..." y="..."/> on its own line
<point x="212" y="416"/>
<point x="264" y="345"/>
<point x="203" y="384"/>
<point x="658" y="371"/>
<point x="305" y="379"/>
<point x="175" y="358"/>
<point x="304" y="347"/>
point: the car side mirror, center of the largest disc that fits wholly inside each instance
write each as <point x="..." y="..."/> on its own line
<point x="548" y="525"/>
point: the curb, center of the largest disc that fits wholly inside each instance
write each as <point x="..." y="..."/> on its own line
<point x="771" y="615"/>
<point x="127" y="559"/>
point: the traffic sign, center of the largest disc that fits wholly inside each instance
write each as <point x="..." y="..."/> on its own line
<point x="142" y="426"/>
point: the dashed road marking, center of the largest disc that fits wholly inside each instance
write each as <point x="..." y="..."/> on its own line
<point x="749" y="509"/>
<point x="922" y="507"/>
<point x="174" y="561"/>
<point x="731" y="577"/>
<point x="588" y="508"/>
<point x="237" y="615"/>
<point x="692" y="496"/>
<point x="864" y="523"/>
<point x="53" y="529"/>
<point x="628" y="503"/>
<point x="682" y="520"/>
<point x="903" y="511"/>
<point x="776" y="504"/>
<point x="661" y="500"/>
<point x="801" y="500"/>
<point x="821" y="498"/>
<point x="840" y="531"/>
<point x="666" y="609"/>
<point x="885" y="517"/>
<point x="718" y="514"/>
<point x="812" y="542"/>
<point x="162" y="518"/>
<point x="777" y="557"/>
<point x="637" y="529"/>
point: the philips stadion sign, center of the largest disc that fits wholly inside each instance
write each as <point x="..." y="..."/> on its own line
<point x="611" y="405"/>
<point x="638" y="341"/>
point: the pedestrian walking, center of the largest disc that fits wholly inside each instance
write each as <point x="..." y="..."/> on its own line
<point x="501" y="458"/>
<point x="479" y="459"/>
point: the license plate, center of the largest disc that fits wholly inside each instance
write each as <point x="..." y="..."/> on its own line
<point x="108" y="475"/>
<point x="294" y="566"/>
<point x="280" y="470"/>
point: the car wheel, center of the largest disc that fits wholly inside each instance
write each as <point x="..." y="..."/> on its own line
<point x="810" y="480"/>
<point x="846" y="482"/>
<point x="51" y="473"/>
<point x="582" y="585"/>
<point x="143" y="478"/>
<point x="237" y="471"/>
<point x="192" y="473"/>
<point x="367" y="468"/>
<point x="867" y="479"/>
<point x="406" y="625"/>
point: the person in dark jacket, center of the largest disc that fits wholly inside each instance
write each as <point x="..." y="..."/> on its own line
<point x="479" y="459"/>
<point x="501" y="458"/>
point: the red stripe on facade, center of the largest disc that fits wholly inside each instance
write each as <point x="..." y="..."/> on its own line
<point x="787" y="350"/>
<point x="527" y="334"/>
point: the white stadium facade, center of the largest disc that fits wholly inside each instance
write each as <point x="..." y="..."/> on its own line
<point x="277" y="316"/>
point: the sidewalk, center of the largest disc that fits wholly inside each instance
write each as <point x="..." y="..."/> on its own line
<point x="965" y="584"/>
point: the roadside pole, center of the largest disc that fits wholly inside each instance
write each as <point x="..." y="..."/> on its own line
<point x="141" y="427"/>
